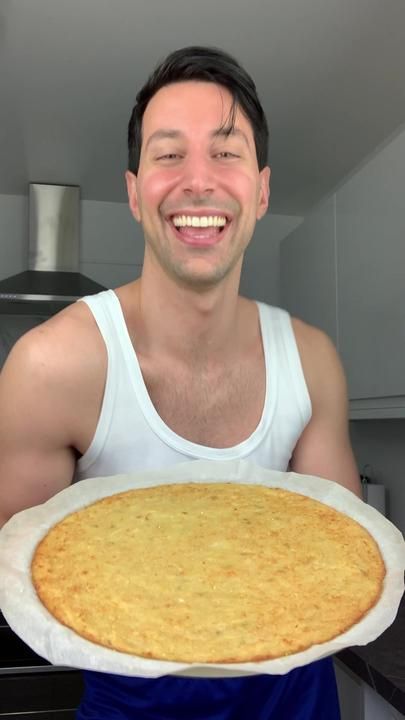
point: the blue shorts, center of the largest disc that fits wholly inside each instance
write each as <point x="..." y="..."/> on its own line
<point x="307" y="693"/>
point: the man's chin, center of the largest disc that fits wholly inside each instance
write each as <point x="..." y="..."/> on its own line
<point x="198" y="280"/>
<point x="200" y="274"/>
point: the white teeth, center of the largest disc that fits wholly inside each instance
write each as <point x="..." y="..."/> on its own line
<point x="199" y="221"/>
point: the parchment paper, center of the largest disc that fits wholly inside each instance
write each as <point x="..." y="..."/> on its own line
<point x="61" y="646"/>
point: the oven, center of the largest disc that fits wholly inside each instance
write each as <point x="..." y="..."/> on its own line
<point x="30" y="687"/>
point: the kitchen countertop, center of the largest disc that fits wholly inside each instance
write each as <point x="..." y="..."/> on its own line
<point x="381" y="663"/>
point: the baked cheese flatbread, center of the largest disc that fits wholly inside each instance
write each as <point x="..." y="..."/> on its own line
<point x="208" y="572"/>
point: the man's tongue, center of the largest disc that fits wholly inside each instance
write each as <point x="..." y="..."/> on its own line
<point x="199" y="233"/>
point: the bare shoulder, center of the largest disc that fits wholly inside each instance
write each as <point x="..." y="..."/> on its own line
<point x="59" y="369"/>
<point x="311" y="339"/>
<point x="319" y="358"/>
<point x="67" y="342"/>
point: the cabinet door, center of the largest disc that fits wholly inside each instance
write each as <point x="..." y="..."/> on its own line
<point x="376" y="708"/>
<point x="350" y="692"/>
<point x="370" y="228"/>
<point x="308" y="270"/>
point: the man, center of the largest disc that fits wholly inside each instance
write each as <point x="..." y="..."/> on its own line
<point x="177" y="366"/>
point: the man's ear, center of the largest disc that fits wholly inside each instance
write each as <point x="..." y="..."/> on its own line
<point x="133" y="195"/>
<point x="264" y="194"/>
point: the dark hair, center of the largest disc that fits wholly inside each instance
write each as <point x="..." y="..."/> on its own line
<point x="209" y="65"/>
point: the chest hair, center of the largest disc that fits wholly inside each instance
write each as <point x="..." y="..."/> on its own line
<point x="213" y="406"/>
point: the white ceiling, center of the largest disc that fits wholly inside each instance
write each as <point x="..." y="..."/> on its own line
<point x="330" y="74"/>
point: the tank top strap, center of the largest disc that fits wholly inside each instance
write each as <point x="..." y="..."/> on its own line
<point x="106" y="310"/>
<point x="278" y="332"/>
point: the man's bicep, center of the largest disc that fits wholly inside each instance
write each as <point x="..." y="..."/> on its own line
<point x="35" y="460"/>
<point x="30" y="476"/>
<point x="324" y="448"/>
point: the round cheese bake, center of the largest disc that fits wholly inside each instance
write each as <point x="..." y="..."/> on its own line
<point x="208" y="572"/>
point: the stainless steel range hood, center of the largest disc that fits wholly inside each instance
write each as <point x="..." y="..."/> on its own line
<point x="52" y="280"/>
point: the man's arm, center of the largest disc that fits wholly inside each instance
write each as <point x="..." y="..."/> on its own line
<point x="324" y="447"/>
<point x="36" y="459"/>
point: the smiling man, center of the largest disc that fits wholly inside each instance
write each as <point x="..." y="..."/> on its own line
<point x="178" y="366"/>
<point x="197" y="190"/>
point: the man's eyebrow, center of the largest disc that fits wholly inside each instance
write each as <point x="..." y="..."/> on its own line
<point x="163" y="134"/>
<point x="172" y="134"/>
<point x="231" y="132"/>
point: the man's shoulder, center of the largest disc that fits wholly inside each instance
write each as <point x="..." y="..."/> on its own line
<point x="311" y="338"/>
<point x="312" y="342"/>
<point x="319" y="358"/>
<point x="69" y="341"/>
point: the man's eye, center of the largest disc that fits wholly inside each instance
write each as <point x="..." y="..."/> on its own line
<point x="226" y="154"/>
<point x="169" y="156"/>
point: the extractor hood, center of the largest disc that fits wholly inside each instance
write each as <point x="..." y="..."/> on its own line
<point x="52" y="280"/>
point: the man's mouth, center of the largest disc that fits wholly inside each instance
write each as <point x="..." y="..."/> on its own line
<point x="200" y="229"/>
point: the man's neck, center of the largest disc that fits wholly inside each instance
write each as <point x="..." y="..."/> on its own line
<point x="178" y="321"/>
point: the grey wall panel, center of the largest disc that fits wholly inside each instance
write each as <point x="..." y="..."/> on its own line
<point x="308" y="270"/>
<point x="260" y="279"/>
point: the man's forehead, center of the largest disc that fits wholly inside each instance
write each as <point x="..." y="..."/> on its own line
<point x="206" y="104"/>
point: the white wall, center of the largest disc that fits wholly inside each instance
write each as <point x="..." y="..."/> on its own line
<point x="112" y="246"/>
<point x="111" y="243"/>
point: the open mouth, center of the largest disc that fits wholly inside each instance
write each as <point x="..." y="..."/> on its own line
<point x="200" y="229"/>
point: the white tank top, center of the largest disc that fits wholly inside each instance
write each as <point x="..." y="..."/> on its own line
<point x="131" y="436"/>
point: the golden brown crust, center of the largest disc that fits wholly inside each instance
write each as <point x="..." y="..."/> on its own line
<point x="208" y="573"/>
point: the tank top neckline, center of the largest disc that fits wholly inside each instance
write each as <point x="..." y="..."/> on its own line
<point x="169" y="436"/>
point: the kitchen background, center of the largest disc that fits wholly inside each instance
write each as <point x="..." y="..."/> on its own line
<point x="332" y="247"/>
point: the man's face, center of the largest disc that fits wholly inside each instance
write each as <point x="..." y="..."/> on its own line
<point x="198" y="192"/>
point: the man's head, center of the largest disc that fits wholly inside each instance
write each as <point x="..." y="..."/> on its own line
<point x="209" y="65"/>
<point x="198" y="179"/>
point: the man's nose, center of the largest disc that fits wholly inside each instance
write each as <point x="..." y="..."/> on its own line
<point x="199" y="176"/>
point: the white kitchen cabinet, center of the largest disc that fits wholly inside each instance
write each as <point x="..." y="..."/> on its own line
<point x="376" y="708"/>
<point x="370" y="238"/>
<point x="358" y="701"/>
<point x="350" y="691"/>
<point x="343" y="270"/>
